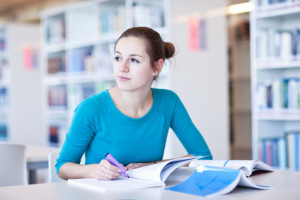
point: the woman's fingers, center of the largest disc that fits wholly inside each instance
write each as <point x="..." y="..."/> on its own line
<point x="107" y="171"/>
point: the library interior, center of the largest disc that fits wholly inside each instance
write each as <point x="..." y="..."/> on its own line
<point x="236" y="69"/>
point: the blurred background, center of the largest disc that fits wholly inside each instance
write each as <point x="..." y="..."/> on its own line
<point x="236" y="69"/>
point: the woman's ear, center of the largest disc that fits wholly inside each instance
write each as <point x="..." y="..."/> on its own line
<point x="158" y="65"/>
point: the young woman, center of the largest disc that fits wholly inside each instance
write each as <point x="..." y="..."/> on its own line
<point x="130" y="121"/>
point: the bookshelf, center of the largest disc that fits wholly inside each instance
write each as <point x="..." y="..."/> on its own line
<point x="4" y="85"/>
<point x="78" y="47"/>
<point x="19" y="83"/>
<point x="275" y="75"/>
<point x="239" y="84"/>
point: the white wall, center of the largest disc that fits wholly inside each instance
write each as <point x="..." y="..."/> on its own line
<point x="201" y="78"/>
<point x="25" y="97"/>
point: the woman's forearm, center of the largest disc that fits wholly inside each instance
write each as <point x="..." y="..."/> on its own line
<point x="74" y="170"/>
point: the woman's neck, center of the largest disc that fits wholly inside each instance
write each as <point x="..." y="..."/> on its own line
<point x="133" y="104"/>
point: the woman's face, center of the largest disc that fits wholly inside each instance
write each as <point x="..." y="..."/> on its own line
<point x="132" y="66"/>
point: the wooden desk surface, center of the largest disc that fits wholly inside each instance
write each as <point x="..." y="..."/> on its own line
<point x="286" y="184"/>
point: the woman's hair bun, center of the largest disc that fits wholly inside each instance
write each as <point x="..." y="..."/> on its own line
<point x="169" y="50"/>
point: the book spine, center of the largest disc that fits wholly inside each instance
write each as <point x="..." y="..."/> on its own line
<point x="273" y="46"/>
<point x="279" y="95"/>
<point x="296" y="144"/>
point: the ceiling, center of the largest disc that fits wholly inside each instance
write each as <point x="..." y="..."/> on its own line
<point x="26" y="10"/>
<point x="6" y="5"/>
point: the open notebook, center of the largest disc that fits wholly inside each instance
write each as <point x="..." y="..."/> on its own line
<point x="144" y="177"/>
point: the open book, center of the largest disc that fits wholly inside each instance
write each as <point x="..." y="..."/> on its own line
<point x="211" y="181"/>
<point x="148" y="176"/>
<point x="248" y="166"/>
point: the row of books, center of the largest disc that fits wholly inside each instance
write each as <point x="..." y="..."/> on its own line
<point x="279" y="94"/>
<point x="3" y="132"/>
<point x="57" y="130"/>
<point x="56" y="134"/>
<point x="60" y="98"/>
<point x="92" y="59"/>
<point x="3" y="98"/>
<point x="282" y="152"/>
<point x="56" y="30"/>
<point x="113" y="21"/>
<point x="2" y="44"/>
<point x="56" y="63"/>
<point x="110" y="20"/>
<point x="4" y="70"/>
<point x="266" y="3"/>
<point x="81" y="60"/>
<point x="151" y="16"/>
<point x="2" y="40"/>
<point x="57" y="97"/>
<point x="275" y="44"/>
<point x="79" y="93"/>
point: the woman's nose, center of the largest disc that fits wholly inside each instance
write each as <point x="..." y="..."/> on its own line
<point x="124" y="66"/>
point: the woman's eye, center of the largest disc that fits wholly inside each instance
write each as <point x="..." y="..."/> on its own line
<point x="134" y="60"/>
<point x="117" y="58"/>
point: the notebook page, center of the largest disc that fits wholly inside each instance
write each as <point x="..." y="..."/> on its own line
<point x="120" y="184"/>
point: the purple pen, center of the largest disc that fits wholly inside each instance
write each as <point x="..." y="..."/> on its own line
<point x="114" y="162"/>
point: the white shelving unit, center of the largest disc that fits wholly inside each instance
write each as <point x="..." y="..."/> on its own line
<point x="240" y="87"/>
<point x="275" y="74"/>
<point x="19" y="85"/>
<point x="78" y="45"/>
<point x="4" y="84"/>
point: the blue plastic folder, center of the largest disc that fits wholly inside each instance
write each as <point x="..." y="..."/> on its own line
<point x="208" y="181"/>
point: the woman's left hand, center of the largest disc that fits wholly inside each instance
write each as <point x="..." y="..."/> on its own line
<point x="136" y="165"/>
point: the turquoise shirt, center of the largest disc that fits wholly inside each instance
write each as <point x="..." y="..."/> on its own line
<point x="99" y="127"/>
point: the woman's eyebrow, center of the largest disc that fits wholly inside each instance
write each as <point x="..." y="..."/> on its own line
<point x="130" y="54"/>
<point x="136" y="55"/>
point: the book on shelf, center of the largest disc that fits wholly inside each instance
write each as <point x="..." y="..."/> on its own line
<point x="80" y="60"/>
<point x="279" y="94"/>
<point x="273" y="45"/>
<point x="272" y="151"/>
<point x="149" y="176"/>
<point x="147" y="16"/>
<point x="56" y="30"/>
<point x="3" y="98"/>
<point x="3" y="132"/>
<point x="293" y="149"/>
<point x="56" y="63"/>
<point x="275" y="4"/>
<point x="112" y="21"/>
<point x="212" y="181"/>
<point x="57" y="97"/>
<point x="247" y="166"/>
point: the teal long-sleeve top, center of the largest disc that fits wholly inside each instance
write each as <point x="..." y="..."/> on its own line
<point x="99" y="127"/>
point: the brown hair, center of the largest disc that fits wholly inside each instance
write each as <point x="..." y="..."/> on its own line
<point x="156" y="47"/>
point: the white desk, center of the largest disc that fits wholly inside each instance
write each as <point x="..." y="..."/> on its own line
<point x="37" y="158"/>
<point x="286" y="183"/>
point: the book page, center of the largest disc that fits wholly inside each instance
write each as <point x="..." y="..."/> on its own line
<point x="160" y="171"/>
<point x="246" y="165"/>
<point x="181" y="174"/>
<point x="120" y="184"/>
<point x="150" y="172"/>
<point x="245" y="182"/>
<point x="214" y="163"/>
<point x="173" y="165"/>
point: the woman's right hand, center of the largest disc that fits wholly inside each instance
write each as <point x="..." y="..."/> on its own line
<point x="106" y="171"/>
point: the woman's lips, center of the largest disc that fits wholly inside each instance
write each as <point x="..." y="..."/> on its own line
<point x="123" y="78"/>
